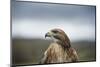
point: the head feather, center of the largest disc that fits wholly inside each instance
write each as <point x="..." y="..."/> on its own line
<point x="61" y="37"/>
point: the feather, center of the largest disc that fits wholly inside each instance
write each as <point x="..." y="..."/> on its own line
<point x="60" y="50"/>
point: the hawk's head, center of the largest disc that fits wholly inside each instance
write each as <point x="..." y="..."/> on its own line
<point x="59" y="36"/>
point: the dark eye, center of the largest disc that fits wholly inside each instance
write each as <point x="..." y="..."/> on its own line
<point x="54" y="31"/>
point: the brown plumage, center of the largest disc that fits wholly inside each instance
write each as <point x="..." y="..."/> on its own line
<point x="60" y="50"/>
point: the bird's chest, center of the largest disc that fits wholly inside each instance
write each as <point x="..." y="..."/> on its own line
<point x="57" y="54"/>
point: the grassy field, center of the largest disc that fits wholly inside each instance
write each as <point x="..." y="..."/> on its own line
<point x="30" y="51"/>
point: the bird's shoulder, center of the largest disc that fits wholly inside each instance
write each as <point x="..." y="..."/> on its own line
<point x="73" y="54"/>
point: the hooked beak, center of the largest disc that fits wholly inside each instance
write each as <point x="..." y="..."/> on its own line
<point x="48" y="34"/>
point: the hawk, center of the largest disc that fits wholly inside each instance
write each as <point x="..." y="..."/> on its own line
<point x="60" y="50"/>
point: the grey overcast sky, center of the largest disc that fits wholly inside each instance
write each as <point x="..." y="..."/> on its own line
<point x="33" y="20"/>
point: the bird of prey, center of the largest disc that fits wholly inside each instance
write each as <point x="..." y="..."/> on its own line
<point x="60" y="50"/>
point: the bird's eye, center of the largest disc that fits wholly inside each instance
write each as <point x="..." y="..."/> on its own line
<point x="55" y="31"/>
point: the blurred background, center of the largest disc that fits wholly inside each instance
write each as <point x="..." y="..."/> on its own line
<point x="31" y="20"/>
